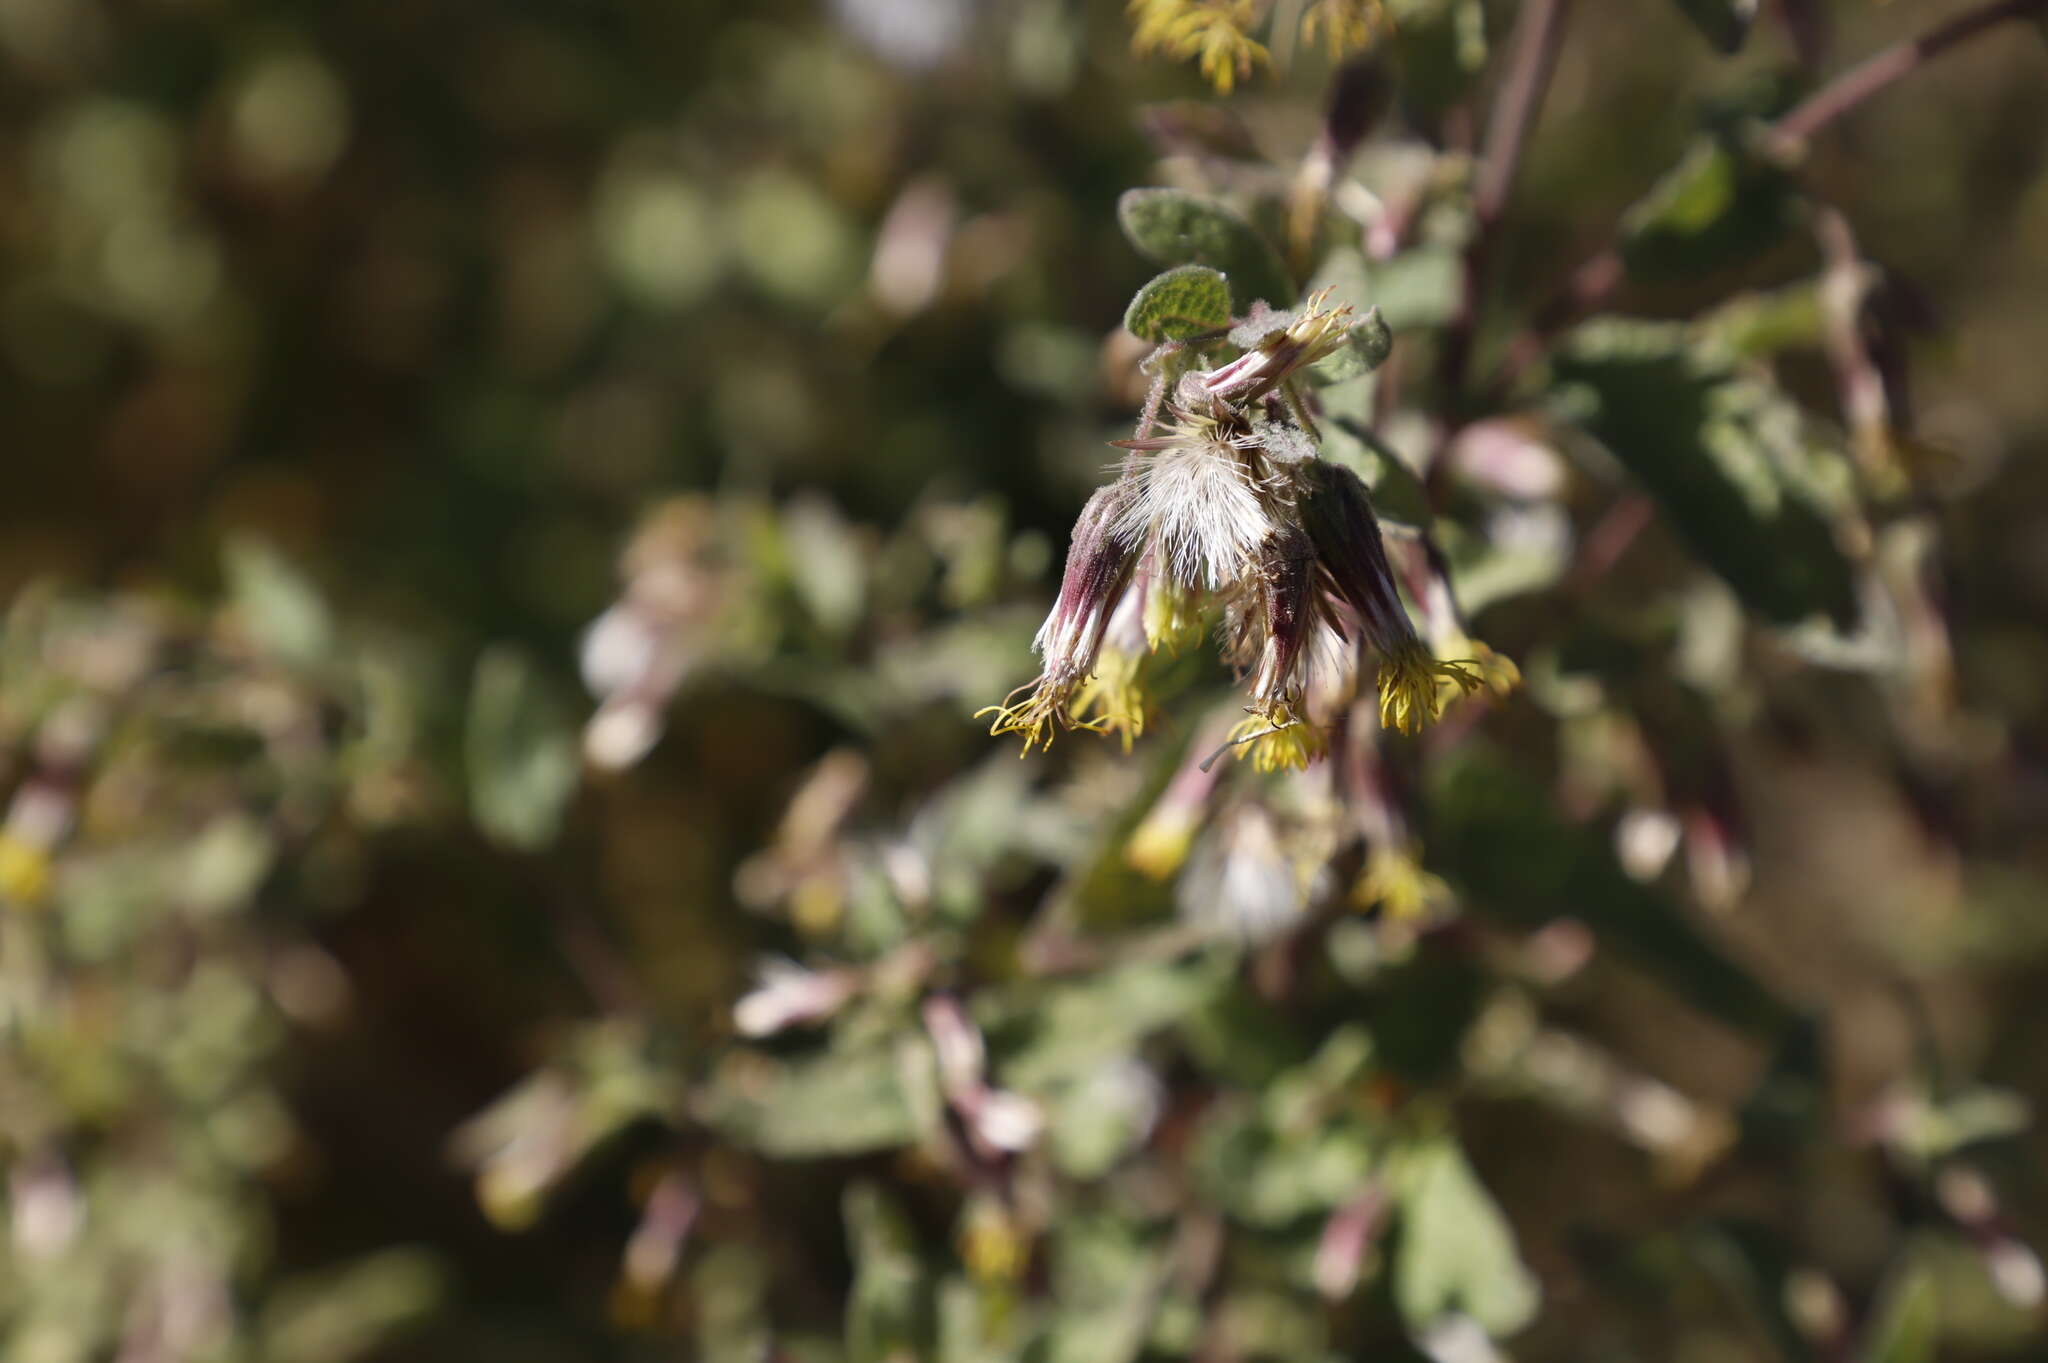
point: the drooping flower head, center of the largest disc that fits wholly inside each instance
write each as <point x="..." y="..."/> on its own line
<point x="1225" y="508"/>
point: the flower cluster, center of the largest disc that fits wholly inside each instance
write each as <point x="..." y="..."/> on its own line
<point x="1226" y="510"/>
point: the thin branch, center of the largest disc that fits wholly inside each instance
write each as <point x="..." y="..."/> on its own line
<point x="1845" y="289"/>
<point x="1537" y="37"/>
<point x="1595" y="281"/>
<point x="1531" y="60"/>
<point x="1852" y="87"/>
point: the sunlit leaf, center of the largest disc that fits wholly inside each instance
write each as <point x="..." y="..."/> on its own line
<point x="1456" y="1252"/>
<point x="1765" y="322"/>
<point x="1418" y="288"/>
<point x="1718" y="207"/>
<point x="277" y="604"/>
<point x="1074" y="1026"/>
<point x="1174" y="227"/>
<point x="1106" y="1280"/>
<point x="1267" y="1177"/>
<point x="1184" y="301"/>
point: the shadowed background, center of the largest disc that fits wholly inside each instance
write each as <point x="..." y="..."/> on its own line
<point x="343" y="349"/>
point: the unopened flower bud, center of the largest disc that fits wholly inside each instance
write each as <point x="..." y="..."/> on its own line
<point x="1276" y="356"/>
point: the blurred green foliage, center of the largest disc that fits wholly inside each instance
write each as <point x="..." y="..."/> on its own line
<point x="512" y="509"/>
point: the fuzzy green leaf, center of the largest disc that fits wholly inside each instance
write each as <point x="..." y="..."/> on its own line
<point x="1691" y="428"/>
<point x="1183" y="302"/>
<point x="1175" y="227"/>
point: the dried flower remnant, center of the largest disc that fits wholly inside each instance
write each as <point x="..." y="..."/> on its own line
<point x="1225" y="507"/>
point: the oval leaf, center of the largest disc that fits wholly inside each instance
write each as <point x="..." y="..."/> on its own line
<point x="1174" y="227"/>
<point x="1185" y="301"/>
<point x="1457" y="1253"/>
<point x="1680" y="419"/>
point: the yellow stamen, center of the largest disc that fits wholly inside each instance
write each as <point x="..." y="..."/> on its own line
<point x="1497" y="670"/>
<point x="1278" y="740"/>
<point x="1321" y="328"/>
<point x="1414" y="685"/>
<point x="1038" y="716"/>
<point x="1215" y="33"/>
<point x="1114" y="695"/>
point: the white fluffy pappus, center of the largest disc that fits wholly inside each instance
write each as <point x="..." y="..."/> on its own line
<point x="1196" y="505"/>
